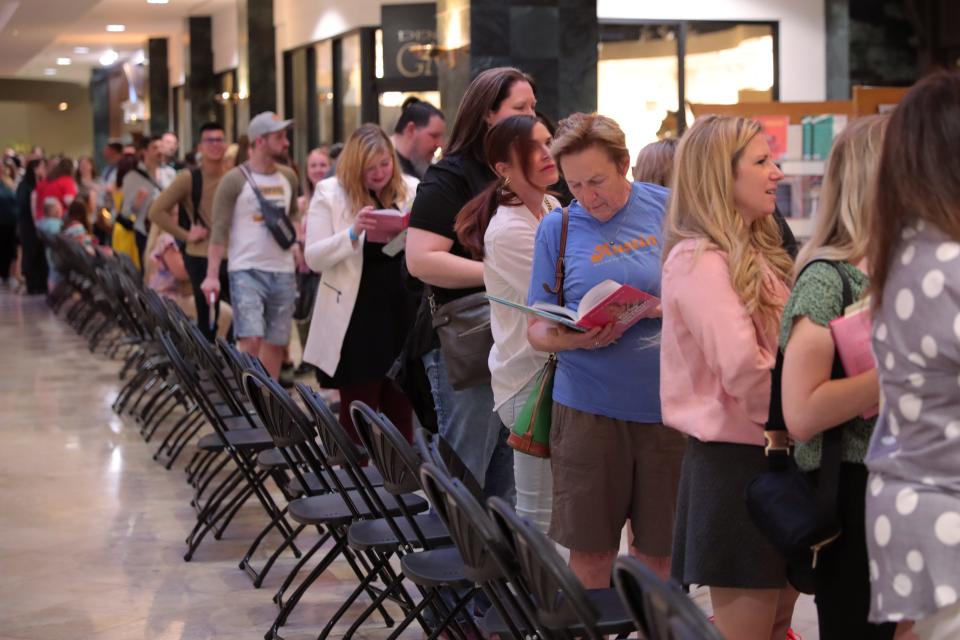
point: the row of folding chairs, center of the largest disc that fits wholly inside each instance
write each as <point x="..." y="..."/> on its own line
<point x="409" y="520"/>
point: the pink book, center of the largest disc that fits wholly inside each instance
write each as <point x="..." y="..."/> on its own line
<point x="852" y="334"/>
<point x="390" y="223"/>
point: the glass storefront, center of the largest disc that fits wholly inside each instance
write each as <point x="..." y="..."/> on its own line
<point x="647" y="69"/>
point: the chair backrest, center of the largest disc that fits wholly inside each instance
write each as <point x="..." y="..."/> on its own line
<point x="661" y="610"/>
<point x="389" y="451"/>
<point x="210" y="361"/>
<point x="434" y="448"/>
<point x="561" y="599"/>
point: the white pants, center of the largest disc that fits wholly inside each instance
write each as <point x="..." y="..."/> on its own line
<point x="943" y="625"/>
<point x="533" y="477"/>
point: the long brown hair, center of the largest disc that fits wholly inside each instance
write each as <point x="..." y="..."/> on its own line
<point x="485" y="94"/>
<point x="919" y="175"/>
<point x="510" y="140"/>
<point x="702" y="207"/>
<point x="367" y="142"/>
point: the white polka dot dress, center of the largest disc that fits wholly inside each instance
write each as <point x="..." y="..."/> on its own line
<point x="913" y="495"/>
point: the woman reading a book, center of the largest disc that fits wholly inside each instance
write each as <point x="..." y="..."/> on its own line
<point x="724" y="287"/>
<point x="913" y="496"/>
<point x="499" y="226"/>
<point x="362" y="311"/>
<point x="613" y="461"/>
<point x="812" y="401"/>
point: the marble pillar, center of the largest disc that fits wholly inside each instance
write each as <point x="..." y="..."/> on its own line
<point x="100" y="105"/>
<point x="555" y="41"/>
<point x="201" y="84"/>
<point x="257" y="69"/>
<point x="158" y="81"/>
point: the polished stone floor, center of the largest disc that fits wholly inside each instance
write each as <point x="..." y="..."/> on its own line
<point x="92" y="529"/>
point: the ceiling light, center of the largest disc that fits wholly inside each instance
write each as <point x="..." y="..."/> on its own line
<point x="63" y="62"/>
<point x="63" y="106"/>
<point x="81" y="50"/>
<point x="49" y="71"/>
<point x="158" y="1"/>
<point x="116" y="28"/>
<point x="109" y="57"/>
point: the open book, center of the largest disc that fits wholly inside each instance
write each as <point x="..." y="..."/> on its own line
<point x="851" y="333"/>
<point x="607" y="302"/>
<point x="390" y="223"/>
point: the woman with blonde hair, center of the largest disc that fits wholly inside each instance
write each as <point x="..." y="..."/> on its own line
<point x="815" y="402"/>
<point x="655" y="162"/>
<point x="361" y="303"/>
<point x="724" y="287"/>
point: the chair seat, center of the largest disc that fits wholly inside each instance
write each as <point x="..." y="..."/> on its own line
<point x="246" y="439"/>
<point x="242" y="423"/>
<point x="377" y="534"/>
<point x="613" y="617"/>
<point x="271" y="459"/>
<point x="492" y="623"/>
<point x="435" y="568"/>
<point x="330" y="509"/>
<point x="295" y="488"/>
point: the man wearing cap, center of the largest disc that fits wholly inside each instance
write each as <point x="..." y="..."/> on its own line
<point x="262" y="283"/>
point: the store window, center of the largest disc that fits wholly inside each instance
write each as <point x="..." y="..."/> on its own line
<point x="349" y="84"/>
<point x="325" y="108"/>
<point x="646" y="70"/>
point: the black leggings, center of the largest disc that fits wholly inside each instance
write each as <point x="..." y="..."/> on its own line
<point x="842" y="576"/>
<point x="197" y="270"/>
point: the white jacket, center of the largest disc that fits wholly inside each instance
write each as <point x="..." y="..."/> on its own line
<point x="328" y="250"/>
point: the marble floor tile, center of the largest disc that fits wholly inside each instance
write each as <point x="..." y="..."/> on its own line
<point x="92" y="529"/>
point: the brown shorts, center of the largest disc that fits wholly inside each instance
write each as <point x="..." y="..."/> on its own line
<point x="608" y="471"/>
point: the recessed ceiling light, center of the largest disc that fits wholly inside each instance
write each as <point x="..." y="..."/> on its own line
<point x="49" y="72"/>
<point x="109" y="57"/>
<point x="63" y="62"/>
<point x="158" y="1"/>
<point x="81" y="50"/>
<point x="63" y="106"/>
<point x="116" y="28"/>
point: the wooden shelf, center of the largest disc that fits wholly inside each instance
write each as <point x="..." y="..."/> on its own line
<point x="803" y="167"/>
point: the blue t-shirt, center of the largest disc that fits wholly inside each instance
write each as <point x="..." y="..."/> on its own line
<point x="622" y="380"/>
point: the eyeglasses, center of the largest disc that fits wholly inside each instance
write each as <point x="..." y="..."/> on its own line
<point x="220" y="140"/>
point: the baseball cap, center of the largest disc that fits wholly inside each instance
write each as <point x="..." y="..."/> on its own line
<point x="265" y="123"/>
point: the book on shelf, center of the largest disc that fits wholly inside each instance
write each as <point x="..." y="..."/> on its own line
<point x="851" y="334"/>
<point x="607" y="302"/>
<point x="390" y="223"/>
<point x="775" y="128"/>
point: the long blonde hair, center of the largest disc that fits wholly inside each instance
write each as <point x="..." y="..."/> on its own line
<point x="702" y="207"/>
<point x="840" y="231"/>
<point x="364" y="144"/>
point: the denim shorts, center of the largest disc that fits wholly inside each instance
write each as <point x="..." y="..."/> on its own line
<point x="263" y="303"/>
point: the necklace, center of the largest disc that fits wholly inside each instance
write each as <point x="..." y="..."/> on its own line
<point x="613" y="239"/>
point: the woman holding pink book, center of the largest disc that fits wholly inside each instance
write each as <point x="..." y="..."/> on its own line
<point x="813" y="402"/>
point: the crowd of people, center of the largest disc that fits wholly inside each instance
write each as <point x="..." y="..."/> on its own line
<point x="656" y="428"/>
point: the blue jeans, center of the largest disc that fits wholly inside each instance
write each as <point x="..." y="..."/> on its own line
<point x="467" y="421"/>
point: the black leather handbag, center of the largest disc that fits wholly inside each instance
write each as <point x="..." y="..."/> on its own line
<point x="798" y="516"/>
<point x="463" y="326"/>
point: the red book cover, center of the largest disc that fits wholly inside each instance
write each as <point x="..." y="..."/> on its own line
<point x="851" y="334"/>
<point x="775" y="130"/>
<point x="390" y="223"/>
<point x="625" y="305"/>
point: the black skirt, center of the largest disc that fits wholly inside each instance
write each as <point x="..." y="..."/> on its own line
<point x="714" y="540"/>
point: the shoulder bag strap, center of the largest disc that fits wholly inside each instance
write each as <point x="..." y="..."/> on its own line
<point x="196" y="194"/>
<point x="559" y="269"/>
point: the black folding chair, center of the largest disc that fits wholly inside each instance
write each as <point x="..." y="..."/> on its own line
<point x="563" y="605"/>
<point x="661" y="610"/>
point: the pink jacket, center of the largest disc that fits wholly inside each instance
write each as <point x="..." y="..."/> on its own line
<point x="715" y="360"/>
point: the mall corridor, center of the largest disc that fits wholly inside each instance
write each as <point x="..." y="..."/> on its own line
<point x="92" y="529"/>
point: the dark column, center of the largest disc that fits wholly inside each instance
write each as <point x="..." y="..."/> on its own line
<point x="257" y="70"/>
<point x="100" y="105"/>
<point x="201" y="83"/>
<point x="159" y="83"/>
<point x="555" y="41"/>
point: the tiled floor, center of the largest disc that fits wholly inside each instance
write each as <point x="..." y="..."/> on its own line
<point x="92" y="529"/>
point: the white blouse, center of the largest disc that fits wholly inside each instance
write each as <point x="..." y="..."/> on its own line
<point x="507" y="263"/>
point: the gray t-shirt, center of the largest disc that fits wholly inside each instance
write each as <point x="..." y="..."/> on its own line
<point x="913" y="494"/>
